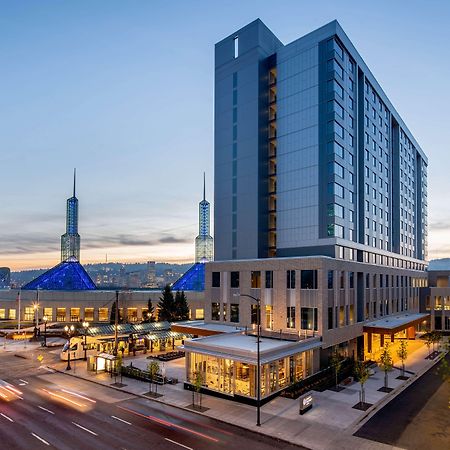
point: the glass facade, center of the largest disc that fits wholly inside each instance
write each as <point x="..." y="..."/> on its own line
<point x="234" y="377"/>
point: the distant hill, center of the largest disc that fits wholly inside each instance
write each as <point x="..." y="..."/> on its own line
<point x="439" y="264"/>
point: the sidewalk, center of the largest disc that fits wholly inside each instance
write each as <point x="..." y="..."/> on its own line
<point x="329" y="425"/>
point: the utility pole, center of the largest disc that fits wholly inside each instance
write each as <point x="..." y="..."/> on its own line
<point x="116" y="325"/>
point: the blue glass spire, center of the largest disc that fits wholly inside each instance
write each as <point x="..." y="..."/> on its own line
<point x="204" y="241"/>
<point x="70" y="240"/>
<point x="68" y="275"/>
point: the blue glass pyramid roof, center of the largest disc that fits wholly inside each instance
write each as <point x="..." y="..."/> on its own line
<point x="68" y="275"/>
<point x="192" y="280"/>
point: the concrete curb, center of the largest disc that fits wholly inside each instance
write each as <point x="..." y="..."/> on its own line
<point x="182" y="408"/>
<point x="355" y="426"/>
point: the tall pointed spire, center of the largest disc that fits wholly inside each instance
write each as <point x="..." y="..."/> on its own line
<point x="204" y="187"/>
<point x="74" y="180"/>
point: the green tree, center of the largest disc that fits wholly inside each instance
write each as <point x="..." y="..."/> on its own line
<point x="112" y="316"/>
<point x="153" y="369"/>
<point x="435" y="338"/>
<point x="428" y="342"/>
<point x="402" y="353"/>
<point x="118" y="368"/>
<point x="149" y="315"/>
<point x="166" y="305"/>
<point x="181" y="306"/>
<point x="386" y="363"/>
<point x="197" y="384"/>
<point x="362" y="375"/>
<point x="336" y="361"/>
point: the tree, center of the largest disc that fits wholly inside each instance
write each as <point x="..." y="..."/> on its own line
<point x="336" y="361"/>
<point x="428" y="341"/>
<point x="435" y="338"/>
<point x="197" y="384"/>
<point x="386" y="363"/>
<point x="112" y="316"/>
<point x="181" y="306"/>
<point x="166" y="305"/>
<point x="402" y="353"/>
<point x="362" y="374"/>
<point x="118" y="368"/>
<point x="153" y="369"/>
<point x="149" y="315"/>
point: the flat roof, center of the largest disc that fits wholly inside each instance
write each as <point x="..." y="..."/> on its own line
<point x="201" y="325"/>
<point x="242" y="347"/>
<point x="395" y="323"/>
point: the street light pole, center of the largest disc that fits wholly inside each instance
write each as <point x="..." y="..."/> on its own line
<point x="45" y="318"/>
<point x="85" y="326"/>
<point x="258" y="357"/>
<point x="69" y="331"/>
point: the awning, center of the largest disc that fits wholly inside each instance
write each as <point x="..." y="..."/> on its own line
<point x="166" y="335"/>
<point x="394" y="324"/>
<point x="106" y="356"/>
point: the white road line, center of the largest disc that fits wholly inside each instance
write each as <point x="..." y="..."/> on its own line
<point x="85" y="429"/>
<point x="42" y="440"/>
<point x="6" y="417"/>
<point x="124" y="421"/>
<point x="22" y="384"/>
<point x="23" y="381"/>
<point x="45" y="409"/>
<point x="177" y="443"/>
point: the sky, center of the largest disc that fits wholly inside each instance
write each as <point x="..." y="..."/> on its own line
<point x="123" y="91"/>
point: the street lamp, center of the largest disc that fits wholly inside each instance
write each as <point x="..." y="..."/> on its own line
<point x="85" y="326"/>
<point x="69" y="331"/>
<point x="45" y="318"/>
<point x="36" y="317"/>
<point x="258" y="356"/>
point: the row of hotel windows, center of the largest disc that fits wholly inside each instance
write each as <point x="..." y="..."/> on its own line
<point x="308" y="316"/>
<point x="308" y="279"/>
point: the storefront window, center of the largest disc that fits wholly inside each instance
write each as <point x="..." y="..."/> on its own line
<point x="48" y="312"/>
<point x="74" y="314"/>
<point x="29" y="314"/>
<point x="12" y="314"/>
<point x="215" y="311"/>
<point x="60" y="314"/>
<point x="103" y="314"/>
<point x="89" y="314"/>
<point x="234" y="312"/>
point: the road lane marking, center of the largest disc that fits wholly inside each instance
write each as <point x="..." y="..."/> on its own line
<point x="124" y="421"/>
<point x="42" y="440"/>
<point x="6" y="417"/>
<point x="169" y="424"/>
<point x="79" y="395"/>
<point x="85" y="429"/>
<point x="45" y="409"/>
<point x="177" y="443"/>
<point x="23" y="381"/>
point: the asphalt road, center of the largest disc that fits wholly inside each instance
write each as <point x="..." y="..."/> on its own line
<point x="417" y="418"/>
<point x="56" y="411"/>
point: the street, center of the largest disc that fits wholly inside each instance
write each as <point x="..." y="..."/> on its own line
<point x="417" y="418"/>
<point x="58" y="411"/>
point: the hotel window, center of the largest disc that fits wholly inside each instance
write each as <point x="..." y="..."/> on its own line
<point x="234" y="312"/>
<point x="308" y="279"/>
<point x="334" y="147"/>
<point x="12" y="314"/>
<point x="334" y="66"/>
<point x="215" y="311"/>
<point x="334" y="106"/>
<point x="199" y="313"/>
<point x="335" y="168"/>
<point x="351" y="280"/>
<point x="255" y="279"/>
<point x="332" y="45"/>
<point x="29" y="314"/>
<point x="89" y="314"/>
<point x="234" y="279"/>
<point x="269" y="279"/>
<point x="103" y="315"/>
<point x="308" y="318"/>
<point x="254" y="314"/>
<point x="2" y="313"/>
<point x="74" y="314"/>
<point x="236" y="46"/>
<point x="290" y="317"/>
<point x="330" y="318"/>
<point x="335" y="209"/>
<point x="330" y="279"/>
<point x="224" y="312"/>
<point x="290" y="279"/>
<point x="60" y="314"/>
<point x="49" y="313"/>
<point x="215" y="279"/>
<point x="334" y="86"/>
<point x="269" y="317"/>
<point x="336" y="189"/>
<point x="334" y="127"/>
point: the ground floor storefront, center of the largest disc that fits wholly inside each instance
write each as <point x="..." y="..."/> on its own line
<point x="227" y="364"/>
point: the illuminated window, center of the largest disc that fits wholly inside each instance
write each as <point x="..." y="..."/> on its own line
<point x="48" y="312"/>
<point x="12" y="314"/>
<point x="103" y="315"/>
<point x="89" y="314"/>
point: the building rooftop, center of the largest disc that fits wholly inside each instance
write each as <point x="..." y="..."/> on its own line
<point x="242" y="347"/>
<point x="393" y="323"/>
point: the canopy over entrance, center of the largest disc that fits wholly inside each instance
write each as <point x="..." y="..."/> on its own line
<point x="394" y="324"/>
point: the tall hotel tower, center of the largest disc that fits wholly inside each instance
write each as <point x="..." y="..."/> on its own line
<point x="70" y="240"/>
<point x="320" y="196"/>
<point x="204" y="246"/>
